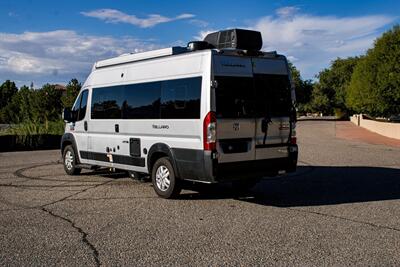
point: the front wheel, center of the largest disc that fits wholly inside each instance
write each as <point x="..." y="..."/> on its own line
<point x="69" y="161"/>
<point x="164" y="180"/>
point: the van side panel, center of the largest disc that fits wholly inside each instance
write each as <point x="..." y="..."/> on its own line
<point x="111" y="148"/>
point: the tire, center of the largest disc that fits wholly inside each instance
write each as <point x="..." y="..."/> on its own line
<point x="70" y="160"/>
<point x="164" y="180"/>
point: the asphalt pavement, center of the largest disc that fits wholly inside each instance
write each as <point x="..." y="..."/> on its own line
<point x="342" y="207"/>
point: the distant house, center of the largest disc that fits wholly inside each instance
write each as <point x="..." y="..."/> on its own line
<point x="62" y="88"/>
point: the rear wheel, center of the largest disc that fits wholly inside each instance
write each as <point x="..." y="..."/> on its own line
<point x="164" y="180"/>
<point x="70" y="160"/>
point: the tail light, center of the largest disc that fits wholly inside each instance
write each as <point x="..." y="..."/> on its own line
<point x="210" y="131"/>
<point x="293" y="138"/>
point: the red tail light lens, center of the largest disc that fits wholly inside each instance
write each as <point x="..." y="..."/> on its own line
<point x="293" y="140"/>
<point x="210" y="131"/>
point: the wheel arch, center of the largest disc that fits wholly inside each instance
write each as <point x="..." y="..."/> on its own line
<point x="157" y="151"/>
<point x="69" y="139"/>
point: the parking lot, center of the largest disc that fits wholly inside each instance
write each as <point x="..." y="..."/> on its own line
<point x="342" y="207"/>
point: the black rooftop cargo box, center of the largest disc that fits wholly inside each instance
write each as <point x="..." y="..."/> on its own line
<point x="235" y="38"/>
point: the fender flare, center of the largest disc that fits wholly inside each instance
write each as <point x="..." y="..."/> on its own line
<point x="69" y="138"/>
<point x="165" y="149"/>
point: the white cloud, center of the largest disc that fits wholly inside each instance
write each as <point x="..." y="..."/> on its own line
<point x="59" y="55"/>
<point x="313" y="41"/>
<point x="116" y="16"/>
<point x="12" y="14"/>
<point x="202" y="34"/>
<point x="292" y="58"/>
<point x="287" y="11"/>
<point x="199" y="23"/>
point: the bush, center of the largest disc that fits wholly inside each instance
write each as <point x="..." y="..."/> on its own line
<point x="32" y="128"/>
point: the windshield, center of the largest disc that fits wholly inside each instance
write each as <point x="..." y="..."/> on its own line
<point x="263" y="95"/>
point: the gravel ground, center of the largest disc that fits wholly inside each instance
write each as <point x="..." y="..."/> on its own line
<point x="342" y="207"/>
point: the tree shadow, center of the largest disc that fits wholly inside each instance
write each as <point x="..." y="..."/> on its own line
<point x="315" y="185"/>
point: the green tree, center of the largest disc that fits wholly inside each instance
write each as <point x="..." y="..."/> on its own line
<point x="73" y="88"/>
<point x="375" y="84"/>
<point x="303" y="89"/>
<point x="7" y="91"/>
<point x="23" y="107"/>
<point x="320" y="100"/>
<point x="48" y="103"/>
<point x="330" y="92"/>
<point x="295" y="73"/>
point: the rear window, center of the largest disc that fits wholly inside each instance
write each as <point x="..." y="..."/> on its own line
<point x="273" y="96"/>
<point x="263" y="95"/>
<point x="234" y="97"/>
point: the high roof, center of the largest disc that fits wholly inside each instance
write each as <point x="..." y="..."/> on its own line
<point x="127" y="58"/>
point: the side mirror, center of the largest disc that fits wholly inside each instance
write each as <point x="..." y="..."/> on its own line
<point x="67" y="115"/>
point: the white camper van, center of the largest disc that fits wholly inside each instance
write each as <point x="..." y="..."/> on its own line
<point x="217" y="110"/>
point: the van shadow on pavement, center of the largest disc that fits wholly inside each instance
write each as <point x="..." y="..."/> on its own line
<point x="315" y="185"/>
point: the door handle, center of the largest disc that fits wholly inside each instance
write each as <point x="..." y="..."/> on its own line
<point x="117" y="128"/>
<point x="264" y="125"/>
<point x="85" y="126"/>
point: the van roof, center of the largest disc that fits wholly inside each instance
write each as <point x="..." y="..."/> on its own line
<point x="170" y="51"/>
<point x="133" y="57"/>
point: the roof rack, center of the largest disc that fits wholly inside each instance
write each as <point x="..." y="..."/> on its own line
<point x="127" y="58"/>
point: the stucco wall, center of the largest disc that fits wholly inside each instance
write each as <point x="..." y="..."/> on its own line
<point x="388" y="129"/>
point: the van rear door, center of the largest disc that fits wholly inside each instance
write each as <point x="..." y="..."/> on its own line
<point x="234" y="100"/>
<point x="272" y="108"/>
<point x="253" y="104"/>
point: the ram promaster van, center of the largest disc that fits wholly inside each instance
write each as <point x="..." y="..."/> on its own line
<point x="217" y="110"/>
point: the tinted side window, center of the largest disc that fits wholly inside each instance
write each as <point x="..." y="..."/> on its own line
<point x="141" y="101"/>
<point x="180" y="99"/>
<point x="82" y="110"/>
<point x="107" y="102"/>
<point x="174" y="99"/>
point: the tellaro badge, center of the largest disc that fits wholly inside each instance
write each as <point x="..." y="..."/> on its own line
<point x="236" y="126"/>
<point x="160" y="126"/>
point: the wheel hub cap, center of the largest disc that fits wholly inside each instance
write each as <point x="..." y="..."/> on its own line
<point x="69" y="159"/>
<point x="162" y="178"/>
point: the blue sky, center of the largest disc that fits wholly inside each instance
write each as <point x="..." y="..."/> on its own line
<point x="54" y="41"/>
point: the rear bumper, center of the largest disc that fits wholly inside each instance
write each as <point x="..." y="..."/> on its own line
<point x="255" y="168"/>
<point x="203" y="166"/>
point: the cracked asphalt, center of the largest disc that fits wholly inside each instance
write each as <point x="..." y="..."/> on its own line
<point x="342" y="207"/>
